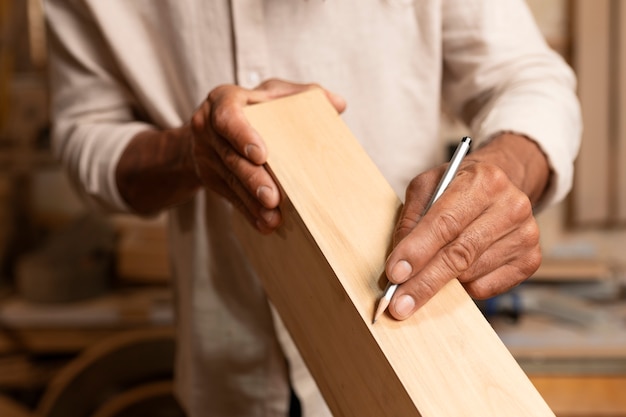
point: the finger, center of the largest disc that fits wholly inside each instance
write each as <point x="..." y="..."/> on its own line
<point x="504" y="278"/>
<point x="478" y="191"/>
<point x="238" y="144"/>
<point x="500" y="232"/>
<point x="520" y="244"/>
<point x="227" y="185"/>
<point x="505" y="231"/>
<point x="442" y="224"/>
<point x="420" y="282"/>
<point x="444" y="266"/>
<point x="251" y="183"/>
<point x="449" y="262"/>
<point x="210" y="153"/>
<point x="262" y="219"/>
<point x="243" y="175"/>
<point x="416" y="201"/>
<point x="227" y="119"/>
<point x="277" y="88"/>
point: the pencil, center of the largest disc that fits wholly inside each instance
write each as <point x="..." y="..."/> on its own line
<point x="446" y="179"/>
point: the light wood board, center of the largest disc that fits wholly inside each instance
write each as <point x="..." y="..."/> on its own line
<point x="323" y="271"/>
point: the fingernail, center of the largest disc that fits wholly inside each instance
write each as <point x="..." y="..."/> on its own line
<point x="260" y="224"/>
<point x="401" y="271"/>
<point x="254" y="153"/>
<point x="267" y="215"/>
<point x="404" y="305"/>
<point x="265" y="195"/>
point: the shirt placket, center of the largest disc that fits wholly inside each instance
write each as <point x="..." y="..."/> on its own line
<point x="251" y="55"/>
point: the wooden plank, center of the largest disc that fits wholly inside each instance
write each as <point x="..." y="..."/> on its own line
<point x="572" y="270"/>
<point x="620" y="114"/>
<point x="65" y="328"/>
<point x="60" y="340"/>
<point x="323" y="271"/>
<point x="584" y="396"/>
<point x="591" y="193"/>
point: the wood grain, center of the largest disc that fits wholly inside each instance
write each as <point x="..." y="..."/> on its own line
<point x="323" y="271"/>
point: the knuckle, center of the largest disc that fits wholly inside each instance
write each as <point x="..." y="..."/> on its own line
<point x="419" y="183"/>
<point x="270" y="83"/>
<point x="312" y="86"/>
<point x="239" y="174"/>
<point x="220" y="116"/>
<point x="252" y="179"/>
<point x="231" y="180"/>
<point x="447" y="226"/>
<point x="519" y="207"/>
<point x="214" y="94"/>
<point x="531" y="262"/>
<point x="197" y="123"/>
<point x="199" y="118"/>
<point x="529" y="234"/>
<point x="481" y="290"/>
<point x="218" y="92"/>
<point x="490" y="178"/>
<point x="403" y="228"/>
<point x="494" y="175"/>
<point x="489" y="286"/>
<point x="427" y="289"/>
<point x="399" y="233"/>
<point x="459" y="256"/>
<point x="231" y="158"/>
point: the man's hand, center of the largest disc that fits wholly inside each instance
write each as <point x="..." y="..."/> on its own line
<point x="481" y="230"/>
<point x="229" y="154"/>
<point x="218" y="150"/>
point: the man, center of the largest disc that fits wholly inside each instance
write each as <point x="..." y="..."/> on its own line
<point x="147" y="100"/>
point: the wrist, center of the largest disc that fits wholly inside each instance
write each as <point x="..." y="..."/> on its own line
<point x="157" y="170"/>
<point x="521" y="159"/>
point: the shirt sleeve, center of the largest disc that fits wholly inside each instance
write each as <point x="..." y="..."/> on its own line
<point x="94" y="116"/>
<point x="501" y="76"/>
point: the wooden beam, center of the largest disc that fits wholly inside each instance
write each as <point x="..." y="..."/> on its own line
<point x="620" y="111"/>
<point x="591" y="194"/>
<point x="323" y="270"/>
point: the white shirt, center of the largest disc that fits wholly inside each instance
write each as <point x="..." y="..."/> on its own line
<point x="119" y="67"/>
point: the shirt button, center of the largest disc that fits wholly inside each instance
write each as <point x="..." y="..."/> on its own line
<point x="253" y="78"/>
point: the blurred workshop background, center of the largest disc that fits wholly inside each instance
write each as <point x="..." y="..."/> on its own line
<point x="85" y="304"/>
